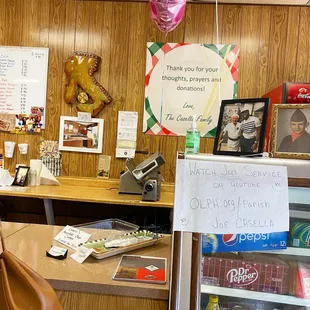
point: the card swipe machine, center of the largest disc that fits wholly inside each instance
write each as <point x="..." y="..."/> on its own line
<point x="143" y="179"/>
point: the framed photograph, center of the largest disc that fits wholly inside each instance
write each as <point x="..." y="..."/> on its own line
<point x="80" y="136"/>
<point x="290" y="129"/>
<point x="21" y="176"/>
<point x="104" y="164"/>
<point x="241" y="127"/>
<point x="28" y="123"/>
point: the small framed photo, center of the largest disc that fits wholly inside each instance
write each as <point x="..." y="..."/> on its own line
<point x="104" y="164"/>
<point x="21" y="176"/>
<point x="241" y="127"/>
<point x="290" y="129"/>
<point x="80" y="136"/>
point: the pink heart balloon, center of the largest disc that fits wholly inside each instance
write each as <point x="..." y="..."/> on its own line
<point x="167" y="14"/>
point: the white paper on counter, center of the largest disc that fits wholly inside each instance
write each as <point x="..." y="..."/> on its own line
<point x="13" y="188"/>
<point x="47" y="178"/>
<point x="36" y="164"/>
<point x="126" y="134"/>
<point x="230" y="198"/>
<point x="81" y="254"/>
<point x="57" y="251"/>
<point x="72" y="237"/>
<point x="5" y="178"/>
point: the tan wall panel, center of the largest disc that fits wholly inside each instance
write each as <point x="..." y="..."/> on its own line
<point x="68" y="48"/>
<point x="303" y="59"/>
<point x="136" y="68"/>
<point x="250" y="24"/>
<point x="76" y="164"/>
<point x="274" y="2"/>
<point x="291" y="44"/>
<point x="263" y="51"/>
<point x="278" y="31"/>
<point x="274" y="40"/>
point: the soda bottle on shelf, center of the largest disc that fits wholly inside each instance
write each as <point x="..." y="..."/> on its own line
<point x="213" y="303"/>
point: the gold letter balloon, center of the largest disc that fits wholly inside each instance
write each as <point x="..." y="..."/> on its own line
<point x="82" y="88"/>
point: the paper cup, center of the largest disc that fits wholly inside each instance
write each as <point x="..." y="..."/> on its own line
<point x="9" y="149"/>
<point x="23" y="148"/>
<point x="36" y="164"/>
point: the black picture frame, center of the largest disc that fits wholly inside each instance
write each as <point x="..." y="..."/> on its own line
<point x="21" y="176"/>
<point x="258" y="113"/>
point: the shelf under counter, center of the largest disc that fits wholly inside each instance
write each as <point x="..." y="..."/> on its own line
<point x="237" y="293"/>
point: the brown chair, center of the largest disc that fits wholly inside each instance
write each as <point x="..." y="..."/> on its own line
<point x="21" y="288"/>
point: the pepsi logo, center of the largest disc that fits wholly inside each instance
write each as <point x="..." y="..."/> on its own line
<point x="230" y="239"/>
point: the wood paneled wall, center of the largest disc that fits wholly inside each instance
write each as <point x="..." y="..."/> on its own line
<point x="274" y="40"/>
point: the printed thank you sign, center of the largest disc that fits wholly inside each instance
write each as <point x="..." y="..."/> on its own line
<point x="185" y="80"/>
<point x="226" y="198"/>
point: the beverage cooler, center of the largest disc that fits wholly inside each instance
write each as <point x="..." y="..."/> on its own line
<point x="247" y="280"/>
<point x="273" y="278"/>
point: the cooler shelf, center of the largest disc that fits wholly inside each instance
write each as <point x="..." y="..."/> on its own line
<point x="299" y="195"/>
<point x="300" y="214"/>
<point x="290" y="251"/>
<point x="282" y="299"/>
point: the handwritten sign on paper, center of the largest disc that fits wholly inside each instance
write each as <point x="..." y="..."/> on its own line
<point x="230" y="198"/>
<point x="72" y="237"/>
<point x="81" y="254"/>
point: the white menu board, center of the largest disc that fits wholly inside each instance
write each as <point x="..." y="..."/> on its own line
<point x="23" y="80"/>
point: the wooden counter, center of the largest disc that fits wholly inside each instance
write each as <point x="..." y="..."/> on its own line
<point x="93" y="190"/>
<point x="88" y="285"/>
<point x="90" y="190"/>
<point x="10" y="228"/>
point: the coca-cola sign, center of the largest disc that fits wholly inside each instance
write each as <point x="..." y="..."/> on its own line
<point x="242" y="276"/>
<point x="298" y="93"/>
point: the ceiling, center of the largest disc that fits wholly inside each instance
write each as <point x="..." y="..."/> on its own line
<point x="274" y="2"/>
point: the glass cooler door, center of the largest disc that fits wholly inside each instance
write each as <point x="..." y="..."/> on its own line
<point x="266" y="280"/>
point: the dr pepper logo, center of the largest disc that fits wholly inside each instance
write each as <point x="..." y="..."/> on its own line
<point x="242" y="276"/>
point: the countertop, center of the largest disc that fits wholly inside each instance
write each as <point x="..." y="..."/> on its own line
<point x="10" y="228"/>
<point x="93" y="190"/>
<point x="93" y="276"/>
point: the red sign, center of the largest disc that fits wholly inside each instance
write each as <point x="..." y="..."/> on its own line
<point x="298" y="93"/>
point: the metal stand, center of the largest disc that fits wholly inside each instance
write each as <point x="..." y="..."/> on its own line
<point x="49" y="212"/>
<point x="180" y="285"/>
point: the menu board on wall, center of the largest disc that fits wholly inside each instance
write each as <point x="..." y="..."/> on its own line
<point x="23" y="83"/>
